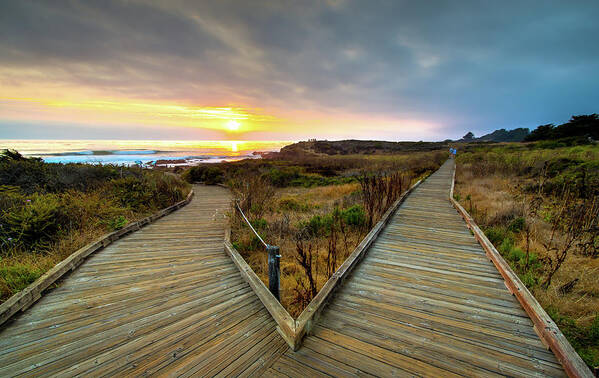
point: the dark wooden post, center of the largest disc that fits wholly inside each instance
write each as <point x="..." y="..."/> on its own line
<point x="274" y="270"/>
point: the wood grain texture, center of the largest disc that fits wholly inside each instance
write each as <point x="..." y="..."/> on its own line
<point x="544" y="326"/>
<point x="165" y="300"/>
<point x="28" y="296"/>
<point x="425" y="300"/>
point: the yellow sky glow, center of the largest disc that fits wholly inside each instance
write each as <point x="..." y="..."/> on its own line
<point x="227" y="118"/>
<point x="232" y="122"/>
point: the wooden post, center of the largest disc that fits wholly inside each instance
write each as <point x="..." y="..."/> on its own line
<point x="274" y="270"/>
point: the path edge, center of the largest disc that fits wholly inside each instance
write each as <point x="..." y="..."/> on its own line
<point x="305" y="322"/>
<point x="544" y="326"/>
<point x="294" y="330"/>
<point x="22" y="300"/>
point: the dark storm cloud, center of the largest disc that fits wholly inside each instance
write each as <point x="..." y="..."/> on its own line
<point x="474" y="65"/>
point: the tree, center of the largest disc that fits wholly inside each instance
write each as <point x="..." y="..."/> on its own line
<point x="579" y="126"/>
<point x="543" y="132"/>
<point x="468" y="136"/>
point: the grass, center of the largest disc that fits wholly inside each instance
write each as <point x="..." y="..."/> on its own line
<point x="313" y="208"/>
<point x="515" y="193"/>
<point x="48" y="211"/>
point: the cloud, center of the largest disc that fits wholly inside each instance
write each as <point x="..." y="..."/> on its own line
<point x="456" y="65"/>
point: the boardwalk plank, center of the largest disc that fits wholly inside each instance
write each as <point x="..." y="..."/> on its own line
<point x="167" y="300"/>
<point x="145" y="303"/>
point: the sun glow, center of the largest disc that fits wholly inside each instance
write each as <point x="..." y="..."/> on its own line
<point x="226" y="119"/>
<point x="233" y="125"/>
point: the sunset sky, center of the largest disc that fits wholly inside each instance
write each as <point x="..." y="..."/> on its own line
<point x="291" y="70"/>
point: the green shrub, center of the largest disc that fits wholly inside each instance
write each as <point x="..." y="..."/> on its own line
<point x="153" y="190"/>
<point x="529" y="279"/>
<point x="259" y="224"/>
<point x="34" y="224"/>
<point x="291" y="204"/>
<point x="506" y="245"/>
<point x="33" y="175"/>
<point x="207" y="174"/>
<point x="117" y="223"/>
<point x="516" y="254"/>
<point x="585" y="340"/>
<point x="17" y="277"/>
<point x="254" y="244"/>
<point x="517" y="225"/>
<point x="354" y="216"/>
<point x="282" y="177"/>
<point x="319" y="225"/>
<point x="495" y="234"/>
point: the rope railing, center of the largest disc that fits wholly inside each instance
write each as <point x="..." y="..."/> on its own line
<point x="274" y="266"/>
<point x="250" y="224"/>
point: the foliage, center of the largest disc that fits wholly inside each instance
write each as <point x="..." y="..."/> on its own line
<point x="42" y="222"/>
<point x="539" y="205"/>
<point x="117" y="223"/>
<point x="575" y="130"/>
<point x="152" y="190"/>
<point x="207" y="173"/>
<point x="32" y="175"/>
<point x="585" y="339"/>
<point x="291" y="204"/>
<point x="311" y="206"/>
<point x="380" y="191"/>
<point x="16" y="277"/>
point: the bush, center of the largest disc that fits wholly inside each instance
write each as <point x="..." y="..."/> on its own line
<point x="583" y="339"/>
<point x="16" y="277"/>
<point x="33" y="175"/>
<point x="530" y="279"/>
<point x="318" y="225"/>
<point x="354" y="216"/>
<point x="282" y="177"/>
<point x="56" y="208"/>
<point x="517" y="225"/>
<point x="516" y="255"/>
<point x="259" y="224"/>
<point x="34" y="224"/>
<point x="506" y="245"/>
<point x="291" y="204"/>
<point x="321" y="225"/>
<point x="152" y="190"/>
<point x="209" y="175"/>
<point x="496" y="234"/>
<point x="118" y="223"/>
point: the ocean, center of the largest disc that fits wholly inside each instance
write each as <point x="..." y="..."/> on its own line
<point x="146" y="152"/>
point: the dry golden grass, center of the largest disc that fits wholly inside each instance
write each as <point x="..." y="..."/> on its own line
<point x="319" y="201"/>
<point x="495" y="196"/>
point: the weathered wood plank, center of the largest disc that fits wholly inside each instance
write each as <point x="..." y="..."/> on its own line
<point x="164" y="299"/>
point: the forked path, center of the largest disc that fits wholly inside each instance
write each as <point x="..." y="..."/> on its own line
<point x="167" y="300"/>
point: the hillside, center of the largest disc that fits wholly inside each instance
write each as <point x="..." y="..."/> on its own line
<point x="501" y="135"/>
<point x="352" y="146"/>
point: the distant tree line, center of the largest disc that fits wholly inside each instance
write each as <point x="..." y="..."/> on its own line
<point x="579" y="129"/>
<point x="582" y="126"/>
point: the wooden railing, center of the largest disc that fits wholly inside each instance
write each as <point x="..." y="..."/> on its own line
<point x="274" y="257"/>
<point x="294" y="330"/>
<point x="544" y="326"/>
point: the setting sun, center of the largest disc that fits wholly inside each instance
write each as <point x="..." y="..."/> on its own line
<point x="233" y="125"/>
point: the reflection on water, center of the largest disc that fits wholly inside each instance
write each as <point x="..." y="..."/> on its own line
<point x="130" y="151"/>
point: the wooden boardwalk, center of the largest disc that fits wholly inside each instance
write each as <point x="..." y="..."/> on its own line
<point x="167" y="300"/>
<point x="424" y="301"/>
<point x="163" y="300"/>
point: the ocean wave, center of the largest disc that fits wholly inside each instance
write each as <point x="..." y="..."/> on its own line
<point x="106" y="153"/>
